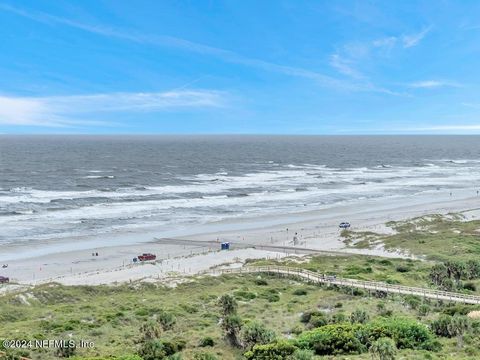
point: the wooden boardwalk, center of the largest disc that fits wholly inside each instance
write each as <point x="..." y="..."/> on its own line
<point x="317" y="278"/>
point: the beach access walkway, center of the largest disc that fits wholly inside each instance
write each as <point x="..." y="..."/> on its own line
<point x="316" y="278"/>
<point x="289" y="250"/>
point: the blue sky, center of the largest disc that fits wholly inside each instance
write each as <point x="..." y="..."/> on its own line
<point x="275" y="67"/>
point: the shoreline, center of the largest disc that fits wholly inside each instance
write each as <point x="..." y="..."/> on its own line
<point x="316" y="229"/>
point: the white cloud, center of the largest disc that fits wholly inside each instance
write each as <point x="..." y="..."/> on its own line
<point x="345" y="66"/>
<point x="169" y="41"/>
<point x="452" y="127"/>
<point x="414" y="39"/>
<point x="386" y="42"/>
<point x="431" y="84"/>
<point x="64" y="111"/>
<point x="471" y="105"/>
<point x="174" y="42"/>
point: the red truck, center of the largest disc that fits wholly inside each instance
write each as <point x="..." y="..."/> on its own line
<point x="147" y="257"/>
<point x="4" y="280"/>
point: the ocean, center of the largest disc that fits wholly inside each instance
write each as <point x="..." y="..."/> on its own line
<point x="56" y="187"/>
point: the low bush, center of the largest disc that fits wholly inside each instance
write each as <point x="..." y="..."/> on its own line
<point x="206" y="341"/>
<point x="244" y="295"/>
<point x="254" y="333"/>
<point x="275" y="351"/>
<point x="300" y="292"/>
<point x="261" y="282"/>
<point x="470" y="286"/>
<point x="357" y="338"/>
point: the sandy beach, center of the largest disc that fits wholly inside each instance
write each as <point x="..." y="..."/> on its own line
<point x="314" y="229"/>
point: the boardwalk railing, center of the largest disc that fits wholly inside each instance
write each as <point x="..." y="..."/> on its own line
<point x="314" y="277"/>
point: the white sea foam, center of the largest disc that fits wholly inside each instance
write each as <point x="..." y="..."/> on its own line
<point x="209" y="197"/>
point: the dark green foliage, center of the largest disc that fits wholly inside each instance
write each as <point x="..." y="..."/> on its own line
<point x="448" y="275"/>
<point x="167" y="320"/>
<point x="338" y="318"/>
<point x="317" y="320"/>
<point x="412" y="301"/>
<point x="383" y="349"/>
<point x="67" y="349"/>
<point x="359" y="316"/>
<point x="228" y="304"/>
<point x="271" y="297"/>
<point x="457" y="327"/>
<point x="473" y="269"/>
<point x="281" y="350"/>
<point x="160" y="349"/>
<point x="423" y="310"/>
<point x="300" y="292"/>
<point x="357" y="338"/>
<point x="305" y="317"/>
<point x="231" y="325"/>
<point x="254" y="333"/>
<point x="152" y="350"/>
<point x="206" y="341"/>
<point x="402" y="268"/>
<point x="313" y="319"/>
<point x="407" y="333"/>
<point x="470" y="286"/>
<point x="332" y="340"/>
<point x="150" y="330"/>
<point x="244" y="295"/>
<point x="261" y="282"/>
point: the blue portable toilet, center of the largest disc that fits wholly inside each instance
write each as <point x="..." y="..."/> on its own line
<point x="224" y="246"/>
<point x="227" y="246"/>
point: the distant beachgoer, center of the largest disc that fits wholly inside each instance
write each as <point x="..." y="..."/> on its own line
<point x="96" y="254"/>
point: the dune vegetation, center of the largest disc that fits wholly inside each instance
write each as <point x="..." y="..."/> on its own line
<point x="259" y="317"/>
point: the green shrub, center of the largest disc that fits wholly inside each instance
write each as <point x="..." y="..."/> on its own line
<point x="359" y="316"/>
<point x="338" y="318"/>
<point x="317" y="320"/>
<point x="332" y="340"/>
<point x="300" y="292"/>
<point x="470" y="286"/>
<point x="272" y="297"/>
<point x="280" y="350"/>
<point x="402" y="268"/>
<point x="423" y="310"/>
<point x="167" y="320"/>
<point x="67" y="349"/>
<point x="412" y="301"/>
<point x="306" y="316"/>
<point x="206" y="341"/>
<point x="261" y="282"/>
<point x="244" y="295"/>
<point x="407" y="333"/>
<point x="152" y="350"/>
<point x="228" y="304"/>
<point x="383" y="349"/>
<point x="441" y="325"/>
<point x="357" y="338"/>
<point x="254" y="333"/>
